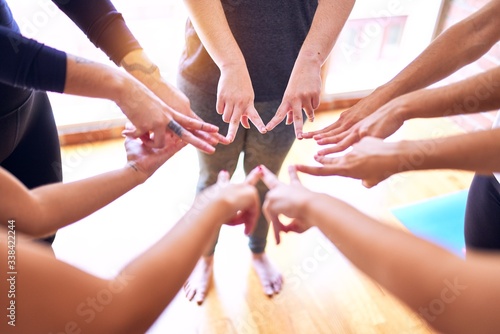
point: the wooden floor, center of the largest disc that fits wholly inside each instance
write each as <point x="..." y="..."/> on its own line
<point x="323" y="292"/>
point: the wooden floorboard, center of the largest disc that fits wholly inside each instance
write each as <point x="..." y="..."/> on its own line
<point x="323" y="292"/>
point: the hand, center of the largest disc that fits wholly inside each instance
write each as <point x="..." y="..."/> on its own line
<point x="235" y="101"/>
<point x="288" y="200"/>
<point x="147" y="159"/>
<point x="138" y="64"/>
<point x="302" y="93"/>
<point x="341" y="128"/>
<point x="380" y="124"/>
<point x="149" y="114"/>
<point x="239" y="202"/>
<point x="370" y="160"/>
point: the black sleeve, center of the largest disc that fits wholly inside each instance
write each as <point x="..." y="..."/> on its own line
<point x="103" y="25"/>
<point x="29" y="64"/>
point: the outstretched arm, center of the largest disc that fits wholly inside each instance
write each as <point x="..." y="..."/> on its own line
<point x="132" y="301"/>
<point x="475" y="94"/>
<point x="29" y="64"/>
<point x="106" y="28"/>
<point x="456" y="47"/>
<point x="304" y="87"/>
<point x="43" y="210"/>
<point x="373" y="160"/>
<point x="467" y="291"/>
<point x="235" y="95"/>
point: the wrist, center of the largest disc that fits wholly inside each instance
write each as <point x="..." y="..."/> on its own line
<point x="137" y="174"/>
<point x="311" y="58"/>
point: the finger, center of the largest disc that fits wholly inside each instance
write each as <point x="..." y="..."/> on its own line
<point x="254" y="116"/>
<point x="370" y="183"/>
<point x="223" y="177"/>
<point x="254" y="176"/>
<point x="233" y="127"/>
<point x="269" y="179"/>
<point x="278" y="117"/>
<point x="331" y="130"/>
<point x="298" y="122"/>
<point x="189" y="137"/>
<point x="277" y="227"/>
<point x="273" y="219"/>
<point x="309" y="110"/>
<point x="244" y="122"/>
<point x="289" y="118"/>
<point x="228" y="113"/>
<point x="206" y="137"/>
<point x="341" y="146"/>
<point x="193" y="123"/>
<point x="318" y="170"/>
<point x="252" y="217"/>
<point x="220" y="106"/>
<point x="294" y="177"/>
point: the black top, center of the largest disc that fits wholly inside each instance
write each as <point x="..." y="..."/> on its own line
<point x="29" y="64"/>
<point x="269" y="33"/>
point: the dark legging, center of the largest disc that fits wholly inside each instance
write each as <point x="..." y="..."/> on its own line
<point x="482" y="214"/>
<point x="30" y="144"/>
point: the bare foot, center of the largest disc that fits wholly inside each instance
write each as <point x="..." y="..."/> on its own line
<point x="196" y="286"/>
<point x="269" y="276"/>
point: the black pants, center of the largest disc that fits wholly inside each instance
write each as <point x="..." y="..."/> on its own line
<point x="30" y="145"/>
<point x="482" y="214"/>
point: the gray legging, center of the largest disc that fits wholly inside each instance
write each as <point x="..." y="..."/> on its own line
<point x="269" y="150"/>
<point x="482" y="214"/>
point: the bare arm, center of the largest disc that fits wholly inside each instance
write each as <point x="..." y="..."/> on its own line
<point x="456" y="47"/>
<point x="132" y="301"/>
<point x="45" y="209"/>
<point x="235" y="95"/>
<point x="304" y="87"/>
<point x="475" y="94"/>
<point x="468" y="291"/>
<point x="373" y="160"/>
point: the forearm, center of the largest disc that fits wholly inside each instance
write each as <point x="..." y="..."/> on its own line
<point x="166" y="266"/>
<point x="400" y="262"/>
<point x="458" y="46"/>
<point x="58" y="205"/>
<point x="477" y="151"/>
<point x="90" y="79"/>
<point x="327" y="24"/>
<point x="212" y="27"/>
<point x="472" y="95"/>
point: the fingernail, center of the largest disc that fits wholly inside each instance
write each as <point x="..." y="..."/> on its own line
<point x="299" y="136"/>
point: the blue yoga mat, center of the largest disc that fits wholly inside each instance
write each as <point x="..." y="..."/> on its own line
<point x="439" y="220"/>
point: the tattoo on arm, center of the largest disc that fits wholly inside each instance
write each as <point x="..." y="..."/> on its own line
<point x="176" y="128"/>
<point x="139" y="67"/>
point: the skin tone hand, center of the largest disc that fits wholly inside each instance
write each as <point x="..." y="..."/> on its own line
<point x="342" y="128"/>
<point x="241" y="199"/>
<point x="43" y="210"/>
<point x="278" y="201"/>
<point x="138" y="64"/>
<point x="235" y="100"/>
<point x="304" y="87"/>
<point x="370" y="160"/>
<point x="151" y="117"/>
<point x="302" y="93"/>
<point x="381" y="124"/>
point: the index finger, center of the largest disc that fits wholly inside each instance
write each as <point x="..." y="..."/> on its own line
<point x="278" y="117"/>
<point x="269" y="179"/>
<point x="188" y="137"/>
<point x="192" y="123"/>
<point x="254" y="176"/>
